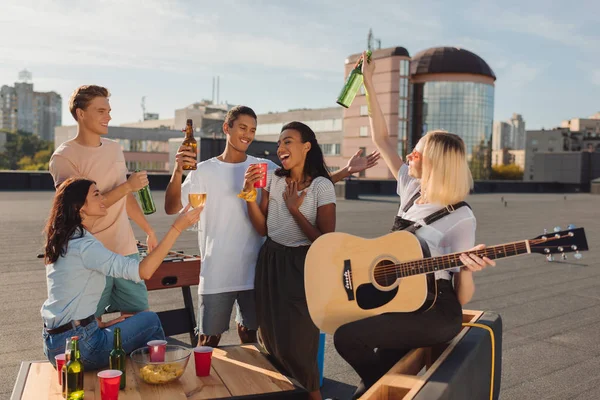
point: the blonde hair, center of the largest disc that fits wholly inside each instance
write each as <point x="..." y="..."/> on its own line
<point x="446" y="177"/>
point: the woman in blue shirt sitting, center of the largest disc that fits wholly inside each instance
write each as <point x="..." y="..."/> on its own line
<point x="76" y="268"/>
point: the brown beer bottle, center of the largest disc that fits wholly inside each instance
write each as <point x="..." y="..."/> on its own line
<point x="191" y="142"/>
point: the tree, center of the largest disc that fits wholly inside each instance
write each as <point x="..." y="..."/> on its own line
<point x="507" y="172"/>
<point x="26" y="151"/>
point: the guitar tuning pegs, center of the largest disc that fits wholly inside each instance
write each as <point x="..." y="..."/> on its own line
<point x="571" y="226"/>
<point x="549" y="258"/>
<point x="578" y="255"/>
<point x="545" y="231"/>
<point x="563" y="256"/>
<point x="557" y="229"/>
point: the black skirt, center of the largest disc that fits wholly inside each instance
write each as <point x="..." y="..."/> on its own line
<point x="286" y="330"/>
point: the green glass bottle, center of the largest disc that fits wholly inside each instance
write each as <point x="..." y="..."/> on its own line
<point x="353" y="83"/>
<point x="146" y="200"/>
<point x="74" y="372"/>
<point x="117" y="356"/>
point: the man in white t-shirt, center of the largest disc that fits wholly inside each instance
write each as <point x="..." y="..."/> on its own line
<point x="229" y="245"/>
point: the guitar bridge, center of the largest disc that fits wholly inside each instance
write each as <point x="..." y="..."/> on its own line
<point x="347" y="280"/>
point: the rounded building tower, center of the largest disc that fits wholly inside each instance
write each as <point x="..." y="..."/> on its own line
<point x="453" y="90"/>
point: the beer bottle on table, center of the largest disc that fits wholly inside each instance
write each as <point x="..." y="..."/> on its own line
<point x="75" y="372"/>
<point x="117" y="356"/>
<point x="191" y="142"/>
<point x="353" y="83"/>
<point x="68" y="343"/>
<point x="146" y="200"/>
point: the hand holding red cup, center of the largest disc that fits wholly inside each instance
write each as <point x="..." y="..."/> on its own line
<point x="262" y="182"/>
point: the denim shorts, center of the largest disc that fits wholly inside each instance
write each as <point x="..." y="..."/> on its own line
<point x="123" y="295"/>
<point x="95" y="344"/>
<point x="214" y="311"/>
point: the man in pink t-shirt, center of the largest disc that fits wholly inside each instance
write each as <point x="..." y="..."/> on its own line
<point x="90" y="156"/>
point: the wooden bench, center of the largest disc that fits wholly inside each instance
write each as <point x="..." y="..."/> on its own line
<point x="460" y="369"/>
<point x="237" y="372"/>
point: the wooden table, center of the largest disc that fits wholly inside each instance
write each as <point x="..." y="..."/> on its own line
<point x="237" y="372"/>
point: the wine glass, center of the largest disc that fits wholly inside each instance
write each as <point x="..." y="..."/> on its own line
<point x="196" y="198"/>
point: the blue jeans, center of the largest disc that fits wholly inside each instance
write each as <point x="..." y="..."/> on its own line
<point x="95" y="344"/>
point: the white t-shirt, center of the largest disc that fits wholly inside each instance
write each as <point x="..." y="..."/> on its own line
<point x="229" y="244"/>
<point x="281" y="225"/>
<point x="450" y="234"/>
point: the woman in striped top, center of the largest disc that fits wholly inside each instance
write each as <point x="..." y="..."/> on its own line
<point x="296" y="207"/>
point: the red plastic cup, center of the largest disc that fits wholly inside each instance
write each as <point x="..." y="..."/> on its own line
<point x="110" y="380"/>
<point x="202" y="358"/>
<point x="262" y="182"/>
<point x="60" y="361"/>
<point x="157" y="350"/>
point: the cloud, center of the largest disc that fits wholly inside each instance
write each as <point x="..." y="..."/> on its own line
<point x="596" y="77"/>
<point x="534" y="24"/>
<point x="150" y="34"/>
<point x="518" y="75"/>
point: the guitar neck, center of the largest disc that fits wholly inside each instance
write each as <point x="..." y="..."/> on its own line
<point x="448" y="261"/>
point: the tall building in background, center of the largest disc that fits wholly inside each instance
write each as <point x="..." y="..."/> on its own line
<point x="24" y="91"/>
<point x="8" y="108"/>
<point x="517" y="126"/>
<point x="392" y="82"/>
<point x="453" y="90"/>
<point x="47" y="112"/>
<point x="439" y="88"/>
<point x="501" y="136"/>
<point x="23" y="109"/>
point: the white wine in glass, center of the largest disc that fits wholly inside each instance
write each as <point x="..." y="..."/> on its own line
<point x="196" y="200"/>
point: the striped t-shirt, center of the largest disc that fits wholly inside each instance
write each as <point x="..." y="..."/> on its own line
<point x="281" y="226"/>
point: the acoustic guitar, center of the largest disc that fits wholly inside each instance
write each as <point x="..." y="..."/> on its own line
<point x="348" y="278"/>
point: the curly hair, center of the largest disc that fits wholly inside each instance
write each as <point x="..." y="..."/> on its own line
<point x="64" y="221"/>
<point x="314" y="165"/>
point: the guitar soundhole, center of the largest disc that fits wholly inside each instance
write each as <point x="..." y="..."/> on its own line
<point x="385" y="273"/>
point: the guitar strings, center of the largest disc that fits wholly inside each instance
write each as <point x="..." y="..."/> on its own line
<point x="391" y="270"/>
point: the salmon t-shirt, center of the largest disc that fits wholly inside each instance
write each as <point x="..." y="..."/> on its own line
<point x="104" y="165"/>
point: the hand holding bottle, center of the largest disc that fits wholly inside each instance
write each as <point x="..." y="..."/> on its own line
<point x="185" y="157"/>
<point x="138" y="180"/>
<point x="368" y="68"/>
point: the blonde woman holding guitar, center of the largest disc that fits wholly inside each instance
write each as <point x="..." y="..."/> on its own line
<point x="436" y="178"/>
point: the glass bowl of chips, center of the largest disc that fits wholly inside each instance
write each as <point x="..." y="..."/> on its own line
<point x="159" y="373"/>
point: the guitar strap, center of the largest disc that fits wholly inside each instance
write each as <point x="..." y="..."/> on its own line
<point x="401" y="224"/>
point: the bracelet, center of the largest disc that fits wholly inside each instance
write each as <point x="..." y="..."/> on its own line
<point x="174" y="227"/>
<point x="248" y="196"/>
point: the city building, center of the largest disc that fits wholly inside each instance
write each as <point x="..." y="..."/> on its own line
<point x="47" y="114"/>
<point x="517" y="135"/>
<point x="23" y="109"/>
<point x="587" y="125"/>
<point x="540" y="145"/>
<point x="443" y="88"/>
<point x="392" y="85"/>
<point x="8" y="108"/>
<point x="501" y="136"/>
<point x="542" y="142"/>
<point x="580" y="167"/>
<point x="507" y="156"/>
<point x="3" y="139"/>
<point x="325" y="122"/>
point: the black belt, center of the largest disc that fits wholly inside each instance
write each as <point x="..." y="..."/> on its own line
<point x="69" y="325"/>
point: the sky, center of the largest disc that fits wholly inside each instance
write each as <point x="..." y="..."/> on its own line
<point x="281" y="55"/>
